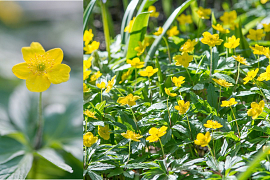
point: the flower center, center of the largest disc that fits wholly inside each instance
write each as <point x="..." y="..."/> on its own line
<point x="41" y="67"/>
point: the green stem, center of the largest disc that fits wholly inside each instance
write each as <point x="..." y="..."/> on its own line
<point x="211" y="60"/>
<point x="219" y="97"/>
<point x="238" y="71"/>
<point x="135" y="120"/>
<point x="189" y="128"/>
<point x="235" y="121"/>
<point x="189" y="77"/>
<point x="106" y="28"/>
<point x="169" y="112"/>
<point x="161" y="147"/>
<point x="135" y="79"/>
<point x="128" y="150"/>
<point x="212" y="155"/>
<point x="119" y="91"/>
<point x="167" y="45"/>
<point x="150" y="88"/>
<point x="40" y="124"/>
<point x="261" y="92"/>
<point x="101" y="95"/>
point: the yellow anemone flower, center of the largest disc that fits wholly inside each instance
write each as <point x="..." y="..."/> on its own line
<point x="266" y="27"/>
<point x="178" y="81"/>
<point x="148" y="71"/>
<point x="182" y="106"/>
<point x="101" y="85"/>
<point x="110" y="84"/>
<point x="228" y="17"/>
<point x="203" y="140"/>
<point x="219" y="28"/>
<point x="87" y="36"/>
<point x="168" y="92"/>
<point x="256" y="109"/>
<point x="131" y="135"/>
<point x="233" y="42"/>
<point x="211" y="40"/>
<point x="125" y="75"/>
<point x="229" y="103"/>
<point x="128" y="100"/>
<point x="258" y="49"/>
<point x="159" y="31"/>
<point x="140" y="49"/>
<point x="240" y="59"/>
<point x="95" y="76"/>
<point x="89" y="139"/>
<point x="156" y="133"/>
<point x="85" y="88"/>
<point x="86" y="72"/>
<point x="183" y="60"/>
<point x="188" y="46"/>
<point x="129" y="26"/>
<point x="104" y="132"/>
<point x="203" y="13"/>
<point x="212" y="124"/>
<point x="91" y="47"/>
<point x="90" y="114"/>
<point x="250" y="75"/>
<point x="266" y="52"/>
<point x="153" y="13"/>
<point x="87" y="63"/>
<point x="255" y="34"/>
<point x="136" y="63"/>
<point x="266" y="75"/>
<point x="41" y="68"/>
<point x="173" y="31"/>
<point x="184" y="19"/>
<point x="222" y="82"/>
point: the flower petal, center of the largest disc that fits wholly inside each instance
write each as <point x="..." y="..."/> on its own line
<point x="37" y="83"/>
<point x="21" y="70"/>
<point x="56" y="54"/>
<point x="59" y="73"/>
<point x="29" y="52"/>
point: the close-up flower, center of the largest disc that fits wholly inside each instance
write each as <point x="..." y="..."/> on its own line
<point x="128" y="100"/>
<point x="184" y="19"/>
<point x="266" y="75"/>
<point x="101" y="85"/>
<point x="110" y="84"/>
<point x="158" y="32"/>
<point x="182" y="106"/>
<point x="156" y="133"/>
<point x="178" y="81"/>
<point x="173" y="31"/>
<point x="255" y="34"/>
<point x="41" y="68"/>
<point x="188" y="46"/>
<point x="232" y="42"/>
<point x="212" y="124"/>
<point x="90" y="114"/>
<point x="259" y="50"/>
<point x="183" y="59"/>
<point x="129" y="26"/>
<point x="229" y="103"/>
<point x="211" y="40"/>
<point x="132" y="136"/>
<point x="220" y="28"/>
<point x="148" y="71"/>
<point x="91" y="47"/>
<point x="153" y="11"/>
<point x="222" y="82"/>
<point x="250" y="75"/>
<point x="104" y="132"/>
<point x="203" y="140"/>
<point x="168" y="92"/>
<point x="203" y="13"/>
<point x="87" y="36"/>
<point x="228" y="17"/>
<point x="89" y="139"/>
<point x="125" y="75"/>
<point x="240" y="59"/>
<point x="140" y="49"/>
<point x="256" y="109"/>
<point x="266" y="27"/>
<point x="95" y="76"/>
<point x="136" y="63"/>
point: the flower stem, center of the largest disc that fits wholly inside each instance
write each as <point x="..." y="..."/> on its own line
<point x="169" y="111"/>
<point x="169" y="54"/>
<point x="40" y="123"/>
<point x="135" y="120"/>
<point x="238" y="73"/>
<point x="101" y="95"/>
<point x="161" y="147"/>
<point x="219" y="97"/>
<point x="212" y="155"/>
<point x="235" y="121"/>
<point x="189" y="127"/>
<point x="261" y="92"/>
<point x="135" y="79"/>
<point x="189" y="77"/>
<point x="118" y="91"/>
<point x="211" y="59"/>
<point x="128" y="150"/>
<point x="149" y="80"/>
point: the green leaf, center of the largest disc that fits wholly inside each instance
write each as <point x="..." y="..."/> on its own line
<point x="243" y="42"/>
<point x="157" y="106"/>
<point x="137" y="34"/>
<point x="165" y="27"/>
<point x="94" y="175"/>
<point x="145" y="4"/>
<point x="212" y="97"/>
<point x="98" y="166"/>
<point x="140" y="165"/>
<point x="52" y="156"/>
<point x="127" y="121"/>
<point x="115" y="172"/>
<point x="87" y="13"/>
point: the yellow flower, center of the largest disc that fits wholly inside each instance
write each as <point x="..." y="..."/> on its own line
<point x="129" y="26"/>
<point x="258" y="49"/>
<point x="203" y="13"/>
<point x="87" y="36"/>
<point x="148" y="71"/>
<point x="87" y="63"/>
<point x="89" y="139"/>
<point x="188" y="46"/>
<point x="131" y="135"/>
<point x="136" y="63"/>
<point x="173" y="31"/>
<point x="256" y="109"/>
<point x="255" y="34"/>
<point x="240" y="59"/>
<point x="265" y="76"/>
<point x="147" y="41"/>
<point x="183" y="60"/>
<point x="212" y="124"/>
<point x="90" y="114"/>
<point x="110" y="84"/>
<point x="184" y="19"/>
<point x="266" y="52"/>
<point x="101" y="85"/>
<point x="85" y="88"/>
<point x="128" y="100"/>
<point x="91" y="47"/>
<point x="264" y="149"/>
<point x="153" y="13"/>
<point x="266" y="27"/>
<point x="233" y="42"/>
<point x="182" y="106"/>
<point x="203" y="140"/>
<point x="222" y="82"/>
<point x="95" y="76"/>
<point x="178" y="81"/>
<point x="125" y="76"/>
<point x="228" y="17"/>
<point x="211" y="40"/>
<point x="219" y="28"/>
<point x="229" y="103"/>
<point x="140" y="49"/>
<point x="156" y="133"/>
<point x="159" y="31"/>
<point x="41" y="68"/>
<point x="86" y="72"/>
<point x="250" y="75"/>
<point x="168" y="92"/>
<point x="104" y="132"/>
<point x="264" y="1"/>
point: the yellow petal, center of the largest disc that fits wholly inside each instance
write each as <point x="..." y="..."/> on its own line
<point x="37" y="83"/>
<point x="29" y="52"/>
<point x="59" y="73"/>
<point x="56" y="54"/>
<point x="153" y="130"/>
<point x="21" y="70"/>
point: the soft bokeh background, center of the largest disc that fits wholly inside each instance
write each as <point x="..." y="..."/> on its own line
<point x="54" y="24"/>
